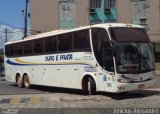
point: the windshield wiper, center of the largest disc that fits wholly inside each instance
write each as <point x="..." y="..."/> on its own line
<point x="145" y="61"/>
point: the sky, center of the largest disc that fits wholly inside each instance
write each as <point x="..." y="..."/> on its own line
<point x="11" y="18"/>
<point x="10" y="12"/>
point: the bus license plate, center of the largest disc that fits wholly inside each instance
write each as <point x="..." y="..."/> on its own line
<point x="141" y="86"/>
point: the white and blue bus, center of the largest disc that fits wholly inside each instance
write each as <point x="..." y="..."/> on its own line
<point x="103" y="57"/>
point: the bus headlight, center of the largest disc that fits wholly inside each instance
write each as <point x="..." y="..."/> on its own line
<point x="124" y="80"/>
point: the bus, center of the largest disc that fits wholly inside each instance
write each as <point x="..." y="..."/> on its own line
<point x="110" y="57"/>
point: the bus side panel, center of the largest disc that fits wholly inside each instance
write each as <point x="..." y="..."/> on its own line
<point x="56" y="75"/>
<point x="7" y="73"/>
<point x="9" y="70"/>
<point x="37" y="75"/>
<point x="100" y="82"/>
<point x="70" y="76"/>
<point x="47" y="75"/>
<point x="51" y="77"/>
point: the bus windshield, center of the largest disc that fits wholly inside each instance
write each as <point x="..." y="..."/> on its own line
<point x="134" y="53"/>
<point x="134" y="57"/>
<point x="128" y="34"/>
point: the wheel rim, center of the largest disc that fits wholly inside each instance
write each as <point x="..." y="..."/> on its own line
<point x="19" y="81"/>
<point x="89" y="86"/>
<point x="26" y="81"/>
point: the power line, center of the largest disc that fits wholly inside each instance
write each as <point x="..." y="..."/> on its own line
<point x="4" y="23"/>
<point x="10" y="31"/>
<point x="14" y="32"/>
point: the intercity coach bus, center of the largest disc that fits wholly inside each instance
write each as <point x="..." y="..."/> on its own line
<point x="103" y="57"/>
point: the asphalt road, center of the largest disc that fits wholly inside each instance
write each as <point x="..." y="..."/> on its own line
<point x="9" y="88"/>
<point x="50" y="100"/>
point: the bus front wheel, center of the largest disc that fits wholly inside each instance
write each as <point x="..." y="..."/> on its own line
<point x="89" y="85"/>
<point x="27" y="83"/>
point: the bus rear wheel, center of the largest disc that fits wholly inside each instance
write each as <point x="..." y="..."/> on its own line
<point x="27" y="83"/>
<point x="19" y="81"/>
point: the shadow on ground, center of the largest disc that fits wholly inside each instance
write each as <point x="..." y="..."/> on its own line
<point x="9" y="88"/>
<point x="116" y="96"/>
<point x="131" y="95"/>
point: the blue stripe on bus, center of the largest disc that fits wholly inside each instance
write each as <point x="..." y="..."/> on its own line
<point x="18" y="64"/>
<point x="13" y="63"/>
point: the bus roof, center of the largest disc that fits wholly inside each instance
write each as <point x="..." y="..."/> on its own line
<point x="57" y="32"/>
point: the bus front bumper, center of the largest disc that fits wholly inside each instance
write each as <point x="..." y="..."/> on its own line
<point x="124" y="87"/>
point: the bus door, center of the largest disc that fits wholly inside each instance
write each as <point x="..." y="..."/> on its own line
<point x="108" y="65"/>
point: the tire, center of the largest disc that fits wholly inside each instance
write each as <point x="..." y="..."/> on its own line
<point x="19" y="81"/>
<point x="91" y="86"/>
<point x="26" y="81"/>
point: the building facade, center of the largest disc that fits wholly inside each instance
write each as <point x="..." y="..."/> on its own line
<point x="47" y="15"/>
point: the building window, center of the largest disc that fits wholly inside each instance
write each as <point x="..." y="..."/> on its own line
<point x="109" y="4"/>
<point x="95" y="4"/>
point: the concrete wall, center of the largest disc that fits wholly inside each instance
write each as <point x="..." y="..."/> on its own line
<point x="44" y="15"/>
<point x="82" y="12"/>
<point x="124" y="11"/>
<point x="153" y="16"/>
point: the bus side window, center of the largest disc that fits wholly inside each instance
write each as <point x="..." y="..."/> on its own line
<point x="7" y="50"/>
<point x="38" y="46"/>
<point x="50" y="44"/>
<point x="65" y="42"/>
<point x="28" y="48"/>
<point x="81" y="40"/>
<point x="102" y="49"/>
<point x="99" y="36"/>
<point x="19" y="49"/>
<point x="11" y="48"/>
